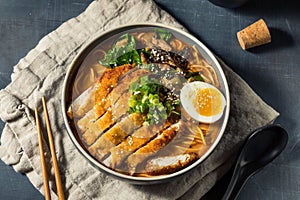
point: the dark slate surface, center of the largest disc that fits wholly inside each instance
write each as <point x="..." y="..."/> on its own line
<point x="272" y="70"/>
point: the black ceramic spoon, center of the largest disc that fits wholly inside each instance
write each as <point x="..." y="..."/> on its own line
<point x="262" y="146"/>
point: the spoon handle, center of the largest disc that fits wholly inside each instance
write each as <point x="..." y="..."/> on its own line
<point x="235" y="185"/>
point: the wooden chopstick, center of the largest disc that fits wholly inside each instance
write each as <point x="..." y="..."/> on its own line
<point x="43" y="162"/>
<point x="59" y="188"/>
<point x="53" y="154"/>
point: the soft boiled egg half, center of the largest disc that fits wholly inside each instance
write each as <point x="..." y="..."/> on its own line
<point x="202" y="101"/>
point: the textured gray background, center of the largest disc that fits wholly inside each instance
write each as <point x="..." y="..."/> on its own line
<point x="273" y="71"/>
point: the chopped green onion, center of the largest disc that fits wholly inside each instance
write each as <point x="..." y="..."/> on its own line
<point x="145" y="99"/>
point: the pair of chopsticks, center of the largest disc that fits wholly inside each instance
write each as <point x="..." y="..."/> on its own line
<point x="53" y="155"/>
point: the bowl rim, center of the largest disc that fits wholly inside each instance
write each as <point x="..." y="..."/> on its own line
<point x="151" y="179"/>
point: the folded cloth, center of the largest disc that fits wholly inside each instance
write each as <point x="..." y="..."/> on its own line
<point x="41" y="73"/>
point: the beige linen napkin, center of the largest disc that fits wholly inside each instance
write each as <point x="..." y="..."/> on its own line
<point x="41" y="73"/>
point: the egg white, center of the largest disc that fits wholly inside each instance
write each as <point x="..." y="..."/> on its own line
<point x="188" y="95"/>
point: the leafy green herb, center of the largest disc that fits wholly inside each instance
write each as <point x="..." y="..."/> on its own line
<point x="122" y="54"/>
<point x="194" y="76"/>
<point x="131" y="57"/>
<point x="146" y="100"/>
<point x="163" y="34"/>
<point x="198" y="78"/>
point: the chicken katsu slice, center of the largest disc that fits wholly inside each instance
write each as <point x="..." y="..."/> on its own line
<point x="133" y="142"/>
<point x="84" y="123"/>
<point x="97" y="128"/>
<point x="121" y="106"/>
<point x="112" y="114"/>
<point x="106" y="84"/>
<point x="94" y="94"/>
<point x="152" y="147"/>
<point x="183" y="140"/>
<point x="82" y="103"/>
<point x="123" y="85"/>
<point x="169" y="164"/>
<point x="115" y="135"/>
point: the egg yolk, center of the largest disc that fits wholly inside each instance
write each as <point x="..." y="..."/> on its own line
<point x="208" y="101"/>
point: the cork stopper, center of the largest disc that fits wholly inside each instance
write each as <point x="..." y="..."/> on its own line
<point x="254" y="35"/>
